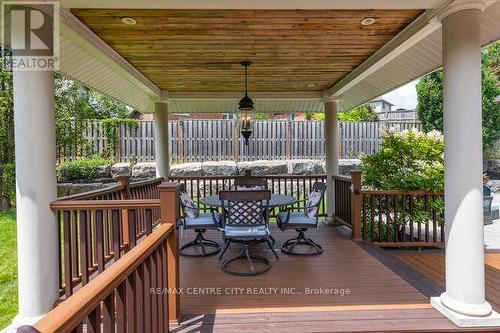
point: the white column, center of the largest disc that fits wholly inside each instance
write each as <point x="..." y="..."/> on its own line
<point x="331" y="150"/>
<point x="35" y="146"/>
<point x="464" y="300"/>
<point x="161" y="139"/>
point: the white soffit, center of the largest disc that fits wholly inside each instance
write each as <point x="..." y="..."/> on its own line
<point x="87" y="59"/>
<point x="422" y="58"/>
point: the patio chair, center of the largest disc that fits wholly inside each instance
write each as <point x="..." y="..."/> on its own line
<point x="200" y="222"/>
<point x="246" y="223"/>
<point x="250" y="184"/>
<point x="301" y="219"/>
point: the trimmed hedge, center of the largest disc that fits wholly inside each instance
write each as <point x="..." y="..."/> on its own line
<point x="83" y="168"/>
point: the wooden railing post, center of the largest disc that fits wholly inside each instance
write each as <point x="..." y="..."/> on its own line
<point x="356" y="205"/>
<point x="124" y="182"/>
<point x="169" y="213"/>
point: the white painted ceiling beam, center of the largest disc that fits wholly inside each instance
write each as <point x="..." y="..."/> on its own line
<point x="304" y="95"/>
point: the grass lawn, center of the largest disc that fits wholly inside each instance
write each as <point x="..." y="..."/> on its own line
<point x="8" y="267"/>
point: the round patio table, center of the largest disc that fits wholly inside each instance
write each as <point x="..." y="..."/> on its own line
<point x="277" y="200"/>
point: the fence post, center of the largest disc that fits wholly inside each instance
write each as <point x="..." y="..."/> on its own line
<point x="124" y="182"/>
<point x="235" y="141"/>
<point x="180" y="141"/>
<point x="288" y="141"/>
<point x="169" y="213"/>
<point x="356" y="205"/>
<point x="118" y="142"/>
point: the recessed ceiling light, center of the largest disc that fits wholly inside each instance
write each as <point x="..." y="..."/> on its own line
<point x="128" y="21"/>
<point x="368" y="21"/>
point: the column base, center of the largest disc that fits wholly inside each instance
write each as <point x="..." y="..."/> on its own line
<point x="20" y="321"/>
<point x="462" y="320"/>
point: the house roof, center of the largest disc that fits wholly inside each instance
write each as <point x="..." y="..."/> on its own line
<point x="381" y="100"/>
<point x="139" y="70"/>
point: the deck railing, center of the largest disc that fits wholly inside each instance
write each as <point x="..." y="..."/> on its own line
<point x="121" y="298"/>
<point x="110" y="266"/>
<point x="392" y="217"/>
<point x="98" y="227"/>
<point x="298" y="186"/>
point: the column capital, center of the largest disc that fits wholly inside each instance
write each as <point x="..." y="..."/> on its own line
<point x="460" y="5"/>
<point x="327" y="98"/>
<point x="163" y="98"/>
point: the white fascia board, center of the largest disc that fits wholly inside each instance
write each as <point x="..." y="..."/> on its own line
<point x="81" y="35"/>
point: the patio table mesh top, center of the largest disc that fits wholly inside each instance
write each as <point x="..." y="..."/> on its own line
<point x="277" y="200"/>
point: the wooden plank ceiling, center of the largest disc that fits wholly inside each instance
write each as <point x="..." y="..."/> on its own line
<point x="200" y="50"/>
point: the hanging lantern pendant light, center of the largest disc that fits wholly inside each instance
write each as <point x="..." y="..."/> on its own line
<point x="246" y="108"/>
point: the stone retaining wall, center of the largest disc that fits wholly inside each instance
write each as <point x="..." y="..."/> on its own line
<point x="142" y="171"/>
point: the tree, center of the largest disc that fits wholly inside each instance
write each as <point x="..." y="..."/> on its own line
<point x="7" y="178"/>
<point x="430" y="98"/>
<point x="75" y="105"/>
<point x="361" y="113"/>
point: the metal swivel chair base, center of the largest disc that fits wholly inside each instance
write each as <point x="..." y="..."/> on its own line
<point x="301" y="239"/>
<point x="250" y="257"/>
<point x="208" y="247"/>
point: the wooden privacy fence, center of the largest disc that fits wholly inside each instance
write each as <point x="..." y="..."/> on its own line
<point x="389" y="217"/>
<point x="209" y="140"/>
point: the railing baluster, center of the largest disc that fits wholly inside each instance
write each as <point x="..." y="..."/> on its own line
<point x="130" y="304"/>
<point x="120" y="308"/>
<point x="84" y="243"/>
<point x="132" y="228"/>
<point x="108" y="314"/>
<point x="68" y="274"/>
<point x="99" y="240"/>
<point x="116" y="233"/>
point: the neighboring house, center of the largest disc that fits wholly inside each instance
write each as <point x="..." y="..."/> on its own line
<point x="380" y="106"/>
<point x="385" y="112"/>
<point x="401" y="114"/>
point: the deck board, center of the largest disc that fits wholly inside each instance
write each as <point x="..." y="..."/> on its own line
<point x="379" y="299"/>
<point x="432" y="265"/>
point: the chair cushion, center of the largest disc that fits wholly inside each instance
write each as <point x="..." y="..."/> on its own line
<point x="250" y="188"/>
<point x="204" y="220"/>
<point x="246" y="231"/>
<point x="313" y="200"/>
<point x="297" y="220"/>
<point x="186" y="203"/>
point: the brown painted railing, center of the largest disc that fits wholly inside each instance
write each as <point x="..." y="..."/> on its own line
<point x="128" y="297"/>
<point x="396" y="218"/>
<point x="109" y="284"/>
<point x="298" y="186"/>
<point x="94" y="232"/>
<point x="342" y="199"/>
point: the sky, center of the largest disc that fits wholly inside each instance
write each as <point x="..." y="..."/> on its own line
<point x="404" y="97"/>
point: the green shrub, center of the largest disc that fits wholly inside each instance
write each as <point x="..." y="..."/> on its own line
<point x="409" y="160"/>
<point x="83" y="168"/>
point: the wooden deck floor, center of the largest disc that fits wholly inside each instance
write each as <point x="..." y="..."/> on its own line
<point x="375" y="298"/>
<point x="431" y="264"/>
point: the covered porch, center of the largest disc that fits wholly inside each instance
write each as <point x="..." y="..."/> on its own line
<point x="117" y="245"/>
